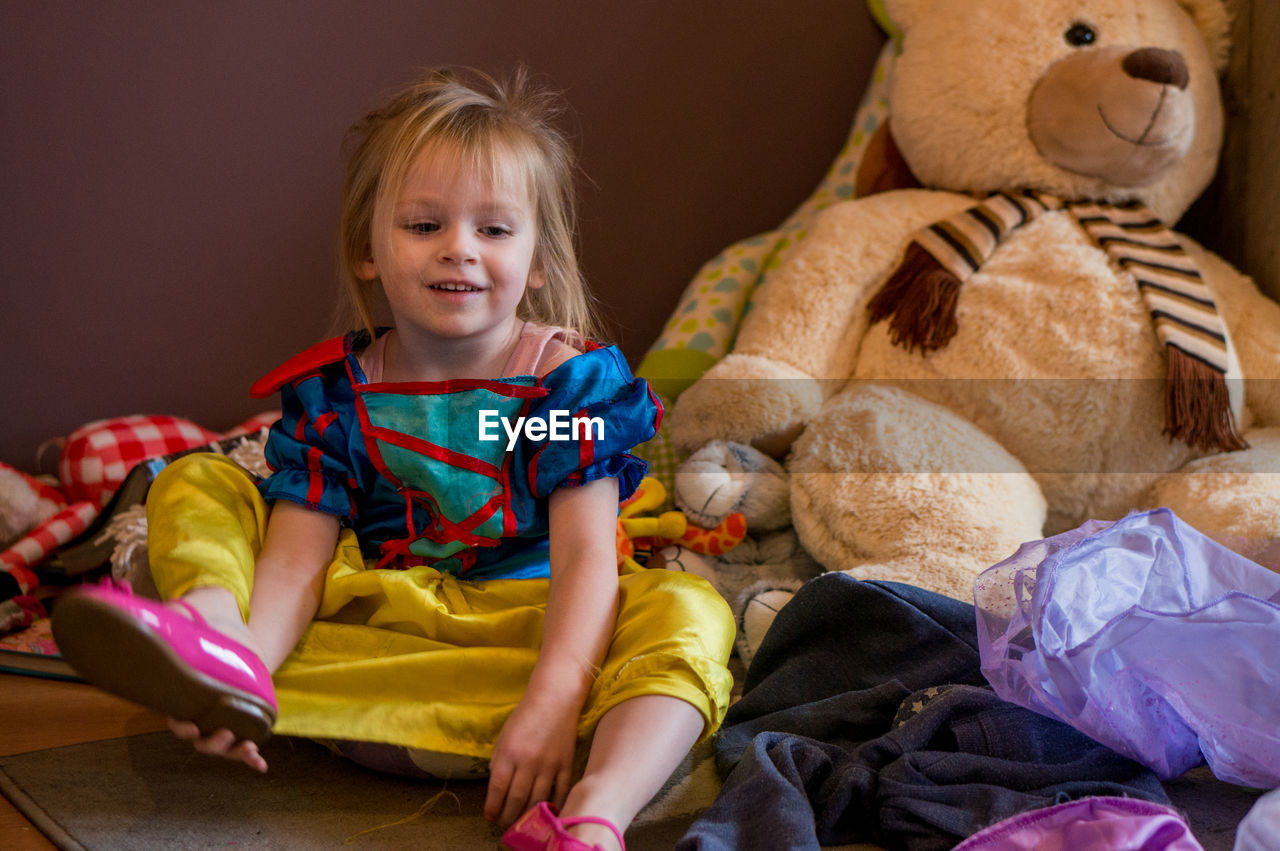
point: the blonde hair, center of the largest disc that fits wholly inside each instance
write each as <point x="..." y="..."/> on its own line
<point x="491" y="126"/>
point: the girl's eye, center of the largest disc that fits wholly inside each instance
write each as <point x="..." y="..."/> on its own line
<point x="495" y="231"/>
<point x="423" y="227"/>
<point x="1078" y="35"/>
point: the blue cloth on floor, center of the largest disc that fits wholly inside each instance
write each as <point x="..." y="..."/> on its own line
<point x="865" y="718"/>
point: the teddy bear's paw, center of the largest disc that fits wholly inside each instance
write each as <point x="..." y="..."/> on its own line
<point x="950" y="576"/>
<point x="722" y="478"/>
<point x="1230" y="496"/>
<point x="747" y="399"/>
<point x="882" y="477"/>
<point x="758" y="606"/>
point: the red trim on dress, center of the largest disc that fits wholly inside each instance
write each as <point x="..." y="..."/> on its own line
<point x="432" y="450"/>
<point x="315" y="481"/>
<point x="324" y="421"/>
<point x="509" y="523"/>
<point x="455" y="385"/>
<point x="657" y="403"/>
<point x="533" y="473"/>
<point x="375" y="453"/>
<point x="299" y="366"/>
<point x="586" y="446"/>
<point x="443" y="530"/>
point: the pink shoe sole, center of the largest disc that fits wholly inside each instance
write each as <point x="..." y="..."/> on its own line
<point x="142" y="651"/>
<point x="542" y="829"/>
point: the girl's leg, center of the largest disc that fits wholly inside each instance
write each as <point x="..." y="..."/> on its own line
<point x="206" y="524"/>
<point x="636" y="747"/>
<point x="207" y="531"/>
<point x="663" y="685"/>
<point x="218" y="606"/>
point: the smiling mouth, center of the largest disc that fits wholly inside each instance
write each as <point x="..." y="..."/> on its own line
<point x="1141" y="141"/>
<point x="454" y="287"/>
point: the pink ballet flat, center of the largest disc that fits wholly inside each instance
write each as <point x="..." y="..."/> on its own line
<point x="145" y="652"/>
<point x="542" y="829"/>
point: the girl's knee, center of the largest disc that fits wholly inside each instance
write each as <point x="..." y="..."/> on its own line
<point x="675" y="594"/>
<point x="205" y="482"/>
<point x="674" y="613"/>
<point x="200" y="469"/>
<point x="206" y="523"/>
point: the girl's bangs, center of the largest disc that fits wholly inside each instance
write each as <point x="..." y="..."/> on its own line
<point x="498" y="158"/>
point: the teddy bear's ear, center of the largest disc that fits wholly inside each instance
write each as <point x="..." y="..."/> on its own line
<point x="883" y="168"/>
<point x="1213" y="18"/>
<point x="897" y="16"/>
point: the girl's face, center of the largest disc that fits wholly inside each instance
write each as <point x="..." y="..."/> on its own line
<point x="459" y="251"/>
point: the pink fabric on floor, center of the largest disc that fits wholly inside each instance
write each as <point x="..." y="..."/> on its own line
<point x="1114" y="824"/>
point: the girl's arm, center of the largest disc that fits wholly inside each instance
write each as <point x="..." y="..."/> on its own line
<point x="288" y="577"/>
<point x="533" y="757"/>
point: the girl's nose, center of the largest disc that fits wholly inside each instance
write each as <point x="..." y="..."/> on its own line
<point x="458" y="247"/>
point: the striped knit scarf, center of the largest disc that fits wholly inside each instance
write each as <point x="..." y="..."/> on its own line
<point x="919" y="298"/>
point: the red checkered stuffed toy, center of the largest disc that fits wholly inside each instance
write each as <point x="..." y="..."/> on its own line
<point x="94" y="461"/>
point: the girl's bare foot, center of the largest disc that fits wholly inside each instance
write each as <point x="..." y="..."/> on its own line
<point x="219" y="743"/>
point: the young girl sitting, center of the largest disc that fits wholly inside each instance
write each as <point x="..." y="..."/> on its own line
<point x="432" y="565"/>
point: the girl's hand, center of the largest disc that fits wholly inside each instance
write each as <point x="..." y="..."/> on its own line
<point x="219" y="743"/>
<point x="532" y="759"/>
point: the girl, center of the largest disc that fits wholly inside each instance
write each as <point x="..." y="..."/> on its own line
<point x="430" y="570"/>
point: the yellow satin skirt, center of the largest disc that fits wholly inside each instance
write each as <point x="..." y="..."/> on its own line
<point x="421" y="658"/>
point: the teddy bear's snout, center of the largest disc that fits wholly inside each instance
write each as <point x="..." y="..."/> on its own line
<point x="1123" y="115"/>
<point x="1157" y="65"/>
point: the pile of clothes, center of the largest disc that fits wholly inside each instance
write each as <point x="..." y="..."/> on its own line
<point x="1095" y="664"/>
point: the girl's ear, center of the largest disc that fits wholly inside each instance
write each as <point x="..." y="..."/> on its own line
<point x="367" y="268"/>
<point x="536" y="279"/>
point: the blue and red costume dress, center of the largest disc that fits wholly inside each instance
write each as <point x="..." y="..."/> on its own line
<point x="431" y="614"/>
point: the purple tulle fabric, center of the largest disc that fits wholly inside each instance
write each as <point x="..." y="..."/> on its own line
<point x="1088" y="823"/>
<point x="1146" y="635"/>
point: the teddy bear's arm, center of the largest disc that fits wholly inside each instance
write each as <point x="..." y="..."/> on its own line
<point x="1254" y="322"/>
<point x="800" y="341"/>
<point x="812" y="314"/>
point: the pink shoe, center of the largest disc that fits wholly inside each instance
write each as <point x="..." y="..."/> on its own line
<point x="542" y="829"/>
<point x="145" y="652"/>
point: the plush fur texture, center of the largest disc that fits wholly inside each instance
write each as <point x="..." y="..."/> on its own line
<point x="722" y="478"/>
<point x="21" y="507"/>
<point x="1047" y="406"/>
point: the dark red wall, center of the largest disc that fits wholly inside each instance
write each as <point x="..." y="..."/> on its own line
<point x="171" y="170"/>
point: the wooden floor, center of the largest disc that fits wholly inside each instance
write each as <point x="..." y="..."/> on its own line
<point x="38" y="713"/>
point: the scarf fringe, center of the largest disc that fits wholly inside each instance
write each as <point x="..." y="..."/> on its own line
<point x="921" y="298"/>
<point x="1198" y="406"/>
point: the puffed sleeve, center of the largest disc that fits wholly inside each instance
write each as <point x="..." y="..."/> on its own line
<point x="307" y="450"/>
<point x="596" y="411"/>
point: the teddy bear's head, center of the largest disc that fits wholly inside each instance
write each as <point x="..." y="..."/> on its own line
<point x="1111" y="100"/>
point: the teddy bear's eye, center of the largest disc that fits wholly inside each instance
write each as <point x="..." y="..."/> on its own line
<point x="1078" y="35"/>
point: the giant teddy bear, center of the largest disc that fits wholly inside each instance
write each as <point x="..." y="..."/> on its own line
<point x="950" y="372"/>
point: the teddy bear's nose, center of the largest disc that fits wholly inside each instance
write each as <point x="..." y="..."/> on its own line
<point x="1165" y="67"/>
